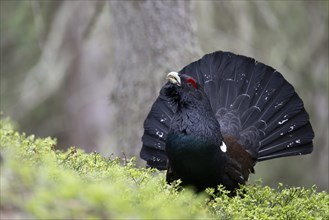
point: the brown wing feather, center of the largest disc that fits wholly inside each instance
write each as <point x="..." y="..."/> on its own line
<point x="244" y="163"/>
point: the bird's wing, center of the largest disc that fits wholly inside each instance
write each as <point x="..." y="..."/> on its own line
<point x="156" y="127"/>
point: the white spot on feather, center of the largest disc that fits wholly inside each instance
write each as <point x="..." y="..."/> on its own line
<point x="158" y="145"/>
<point x="156" y="159"/>
<point x="291" y="128"/>
<point x="223" y="147"/>
<point x="163" y="119"/>
<point x="160" y="134"/>
<point x="283" y="121"/>
<point x="278" y="104"/>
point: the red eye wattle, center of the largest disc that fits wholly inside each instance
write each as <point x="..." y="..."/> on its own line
<point x="191" y="81"/>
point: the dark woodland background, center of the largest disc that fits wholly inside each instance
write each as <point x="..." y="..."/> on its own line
<point x="87" y="72"/>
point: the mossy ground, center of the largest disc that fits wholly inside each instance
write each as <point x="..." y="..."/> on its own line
<point x="38" y="181"/>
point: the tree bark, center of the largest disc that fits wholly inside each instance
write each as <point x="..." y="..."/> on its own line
<point x="150" y="39"/>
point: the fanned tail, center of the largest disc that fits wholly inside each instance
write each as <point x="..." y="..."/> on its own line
<point x="255" y="104"/>
<point x="252" y="102"/>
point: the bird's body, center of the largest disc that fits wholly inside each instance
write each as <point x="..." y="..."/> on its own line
<point x="193" y="140"/>
<point x="220" y="115"/>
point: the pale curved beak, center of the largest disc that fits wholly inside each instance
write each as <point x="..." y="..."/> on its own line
<point x="174" y="78"/>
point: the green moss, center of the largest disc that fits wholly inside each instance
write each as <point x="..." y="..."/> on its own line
<point x="39" y="182"/>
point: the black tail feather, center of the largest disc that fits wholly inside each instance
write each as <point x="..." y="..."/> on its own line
<point x="250" y="117"/>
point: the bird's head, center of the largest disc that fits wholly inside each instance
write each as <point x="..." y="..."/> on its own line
<point x="185" y="91"/>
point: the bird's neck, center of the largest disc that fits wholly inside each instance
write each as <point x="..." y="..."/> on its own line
<point x="197" y="122"/>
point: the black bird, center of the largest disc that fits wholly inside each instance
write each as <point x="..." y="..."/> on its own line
<point x="218" y="116"/>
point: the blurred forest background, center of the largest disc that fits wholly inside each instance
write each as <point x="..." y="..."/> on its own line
<point x="87" y="72"/>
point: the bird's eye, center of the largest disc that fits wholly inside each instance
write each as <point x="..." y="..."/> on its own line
<point x="191" y="81"/>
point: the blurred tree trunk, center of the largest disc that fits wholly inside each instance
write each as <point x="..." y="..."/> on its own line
<point x="150" y="38"/>
<point x="71" y="78"/>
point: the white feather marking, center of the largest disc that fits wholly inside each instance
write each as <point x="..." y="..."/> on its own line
<point x="283" y="121"/>
<point x="223" y="147"/>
